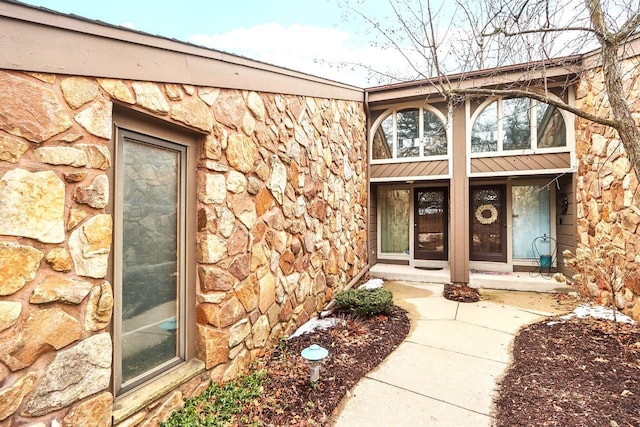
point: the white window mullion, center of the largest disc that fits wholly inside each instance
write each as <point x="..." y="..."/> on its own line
<point x="395" y="134"/>
<point x="533" y="117"/>
<point x="500" y="131"/>
<point x="421" y="132"/>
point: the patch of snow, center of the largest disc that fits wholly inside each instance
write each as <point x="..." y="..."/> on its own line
<point x="372" y="284"/>
<point x="597" y="311"/>
<point x="325" y="313"/>
<point x="314" y="324"/>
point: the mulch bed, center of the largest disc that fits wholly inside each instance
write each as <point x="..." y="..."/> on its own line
<point x="355" y="347"/>
<point x="576" y="372"/>
<point x="461" y="292"/>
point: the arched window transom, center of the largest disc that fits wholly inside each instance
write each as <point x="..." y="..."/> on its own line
<point x="410" y="133"/>
<point x="510" y="124"/>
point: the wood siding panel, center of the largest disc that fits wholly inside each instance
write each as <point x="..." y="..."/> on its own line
<point x="37" y="40"/>
<point x="566" y="232"/>
<point x="373" y="225"/>
<point x="414" y="169"/>
<point x="521" y="163"/>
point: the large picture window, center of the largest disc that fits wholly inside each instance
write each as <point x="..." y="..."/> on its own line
<point x="150" y="272"/>
<point x="510" y="124"/>
<point x="410" y="133"/>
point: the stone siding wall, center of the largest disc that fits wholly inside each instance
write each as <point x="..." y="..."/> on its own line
<point x="607" y="197"/>
<point x="281" y="216"/>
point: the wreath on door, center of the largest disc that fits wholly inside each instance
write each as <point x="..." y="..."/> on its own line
<point x="481" y="214"/>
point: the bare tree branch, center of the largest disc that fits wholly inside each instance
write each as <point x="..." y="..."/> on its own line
<point x="538" y="31"/>
<point x="538" y="97"/>
<point x="498" y="33"/>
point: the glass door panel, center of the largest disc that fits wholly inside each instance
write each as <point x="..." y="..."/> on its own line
<point x="488" y="224"/>
<point x="531" y="218"/>
<point x="394" y="221"/>
<point x="431" y="223"/>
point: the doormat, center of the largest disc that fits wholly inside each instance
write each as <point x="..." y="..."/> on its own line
<point x="493" y="273"/>
<point x="429" y="268"/>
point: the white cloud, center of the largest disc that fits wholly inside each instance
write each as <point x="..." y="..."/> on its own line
<point x="309" y="49"/>
<point x="129" y="25"/>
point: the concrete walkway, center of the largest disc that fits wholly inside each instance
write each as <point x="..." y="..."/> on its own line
<point x="445" y="372"/>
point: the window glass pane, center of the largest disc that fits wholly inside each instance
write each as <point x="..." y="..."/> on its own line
<point x="407" y="124"/>
<point x="530" y="210"/>
<point x="484" y="134"/>
<point x="394" y="221"/>
<point x="516" y="124"/>
<point x="431" y="220"/>
<point x="383" y="140"/>
<point x="551" y="127"/>
<point x="435" y="135"/>
<point x="487" y="222"/>
<point x="150" y="249"/>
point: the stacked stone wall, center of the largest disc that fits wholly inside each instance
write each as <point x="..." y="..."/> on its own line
<point x="281" y="214"/>
<point x="607" y="196"/>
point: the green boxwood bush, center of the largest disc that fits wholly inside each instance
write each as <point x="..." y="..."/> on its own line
<point x="364" y="302"/>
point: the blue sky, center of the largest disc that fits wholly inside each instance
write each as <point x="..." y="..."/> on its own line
<point x="310" y="36"/>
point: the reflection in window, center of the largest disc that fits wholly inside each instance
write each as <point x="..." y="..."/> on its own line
<point x="151" y="277"/>
<point x="394" y="221"/>
<point x="516" y="123"/>
<point x="487" y="222"/>
<point x="407" y="125"/>
<point x="508" y="124"/>
<point x="530" y="210"/>
<point x="484" y="134"/>
<point x="435" y="135"/>
<point x="400" y="135"/>
<point x="551" y="127"/>
<point x="431" y="220"/>
<point x="383" y="140"/>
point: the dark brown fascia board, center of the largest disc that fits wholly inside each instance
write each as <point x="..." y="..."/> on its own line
<point x="39" y="40"/>
<point x="561" y="72"/>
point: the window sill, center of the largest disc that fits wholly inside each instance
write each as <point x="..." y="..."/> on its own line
<point x="410" y="159"/>
<point x="526" y="152"/>
<point x="138" y="399"/>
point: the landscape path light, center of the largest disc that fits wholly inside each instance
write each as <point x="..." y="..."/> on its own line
<point x="314" y="354"/>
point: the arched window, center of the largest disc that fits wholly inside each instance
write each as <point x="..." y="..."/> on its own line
<point x="409" y="133"/>
<point x="509" y="124"/>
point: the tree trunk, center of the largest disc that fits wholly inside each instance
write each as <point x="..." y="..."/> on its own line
<point x="627" y="129"/>
<point x="610" y="42"/>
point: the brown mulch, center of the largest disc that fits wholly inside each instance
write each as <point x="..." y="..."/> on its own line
<point x="577" y="372"/>
<point x="356" y="346"/>
<point x="461" y="292"/>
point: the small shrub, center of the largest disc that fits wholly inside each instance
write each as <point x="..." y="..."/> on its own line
<point x="602" y="271"/>
<point x="364" y="302"/>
